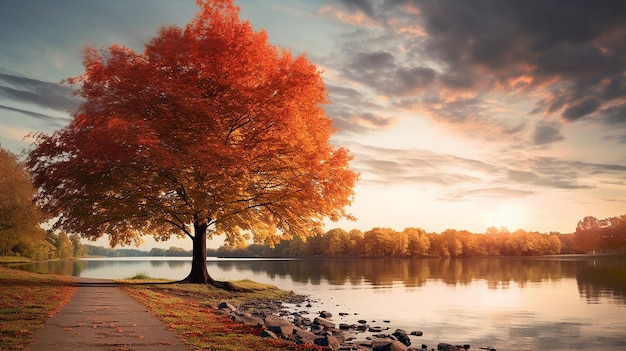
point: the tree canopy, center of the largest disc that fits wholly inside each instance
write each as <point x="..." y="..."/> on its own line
<point x="210" y="127"/>
<point x="19" y="217"/>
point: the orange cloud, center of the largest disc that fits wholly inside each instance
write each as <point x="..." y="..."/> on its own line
<point x="357" y="19"/>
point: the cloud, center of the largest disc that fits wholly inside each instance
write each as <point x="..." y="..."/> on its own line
<point x="547" y="132"/>
<point x="614" y="115"/>
<point x="551" y="181"/>
<point x="580" y="109"/>
<point x="469" y="178"/>
<point x="380" y="165"/>
<point x="353" y="112"/>
<point x="363" y="6"/>
<point x="564" y="174"/>
<point x="450" y="59"/>
<point x="54" y="120"/>
<point x="22" y="89"/>
<point x="378" y="69"/>
<point x="493" y="193"/>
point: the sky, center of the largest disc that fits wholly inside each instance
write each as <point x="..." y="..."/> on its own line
<point x="460" y="114"/>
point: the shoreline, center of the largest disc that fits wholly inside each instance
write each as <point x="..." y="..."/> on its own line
<point x="294" y="319"/>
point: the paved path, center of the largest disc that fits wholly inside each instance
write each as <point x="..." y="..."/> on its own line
<point x="100" y="316"/>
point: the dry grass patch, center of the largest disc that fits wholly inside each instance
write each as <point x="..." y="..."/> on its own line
<point x="190" y="311"/>
<point x="27" y="300"/>
<point x="14" y="259"/>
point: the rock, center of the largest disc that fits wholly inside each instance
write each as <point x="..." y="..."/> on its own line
<point x="362" y="321"/>
<point x="375" y="329"/>
<point x="303" y="336"/>
<point x="227" y="306"/>
<point x="417" y="333"/>
<point x="326" y="315"/>
<point x="402" y="336"/>
<point x="324" y="323"/>
<point x="278" y="324"/>
<point x="268" y="334"/>
<point x="388" y="345"/>
<point x="301" y="321"/>
<point x="341" y="336"/>
<point x="247" y="318"/>
<point x="328" y="342"/>
<point x="446" y="347"/>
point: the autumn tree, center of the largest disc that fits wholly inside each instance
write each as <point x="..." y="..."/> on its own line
<point x="446" y="244"/>
<point x="379" y="242"/>
<point x="588" y="233"/>
<point x="355" y="243"/>
<point x="19" y="218"/>
<point x="418" y="243"/>
<point x="209" y="130"/>
<point x="335" y="242"/>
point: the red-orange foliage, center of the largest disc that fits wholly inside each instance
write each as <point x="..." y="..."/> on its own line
<point x="210" y="125"/>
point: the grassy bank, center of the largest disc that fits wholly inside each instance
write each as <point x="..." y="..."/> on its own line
<point x="14" y="259"/>
<point x="27" y="300"/>
<point x="190" y="311"/>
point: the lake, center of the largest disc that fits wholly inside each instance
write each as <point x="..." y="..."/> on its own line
<point x="548" y="303"/>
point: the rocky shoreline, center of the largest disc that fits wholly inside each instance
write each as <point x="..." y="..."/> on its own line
<point x="280" y="321"/>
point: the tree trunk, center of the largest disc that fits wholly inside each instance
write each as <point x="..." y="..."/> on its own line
<point x="199" y="273"/>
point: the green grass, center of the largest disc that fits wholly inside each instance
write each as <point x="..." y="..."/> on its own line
<point x="27" y="300"/>
<point x="141" y="276"/>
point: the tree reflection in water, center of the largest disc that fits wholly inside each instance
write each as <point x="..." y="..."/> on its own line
<point x="596" y="276"/>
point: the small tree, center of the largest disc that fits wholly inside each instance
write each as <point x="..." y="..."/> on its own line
<point x="211" y="130"/>
<point x="20" y="232"/>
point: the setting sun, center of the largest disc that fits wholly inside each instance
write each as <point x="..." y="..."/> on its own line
<point x="508" y="215"/>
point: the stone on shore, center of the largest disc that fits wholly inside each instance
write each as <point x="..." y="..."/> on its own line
<point x="328" y="342"/>
<point x="266" y="333"/>
<point x="388" y="345"/>
<point x="303" y="336"/>
<point x="402" y="336"/>
<point x="326" y="315"/>
<point x="324" y="323"/>
<point x="248" y="319"/>
<point x="278" y="325"/>
<point x="227" y="306"/>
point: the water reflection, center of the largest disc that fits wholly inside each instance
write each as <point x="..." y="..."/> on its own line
<point x="602" y="279"/>
<point x="596" y="277"/>
<point x="73" y="268"/>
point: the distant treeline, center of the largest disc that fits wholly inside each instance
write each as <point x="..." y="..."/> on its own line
<point x="592" y="235"/>
<point x="173" y="251"/>
<point x="411" y="242"/>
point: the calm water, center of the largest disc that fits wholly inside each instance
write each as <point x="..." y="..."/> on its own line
<point x="552" y="303"/>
